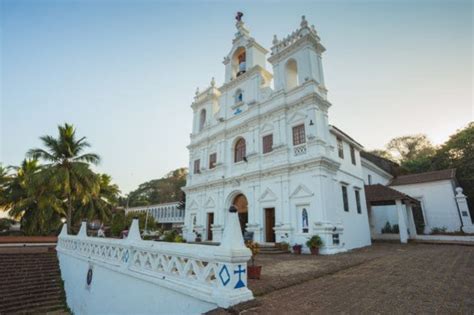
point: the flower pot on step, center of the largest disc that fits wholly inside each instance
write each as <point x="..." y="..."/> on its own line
<point x="254" y="272"/>
<point x="297" y="249"/>
<point x="314" y="250"/>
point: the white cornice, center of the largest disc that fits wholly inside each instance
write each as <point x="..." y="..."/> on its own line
<point x="325" y="162"/>
<point x="254" y="70"/>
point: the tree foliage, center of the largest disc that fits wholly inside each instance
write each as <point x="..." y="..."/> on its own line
<point x="408" y="148"/>
<point x="65" y="186"/>
<point x="67" y="167"/>
<point x="166" y="189"/>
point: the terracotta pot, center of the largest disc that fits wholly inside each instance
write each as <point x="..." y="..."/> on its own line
<point x="314" y="250"/>
<point x="297" y="250"/>
<point x="254" y="272"/>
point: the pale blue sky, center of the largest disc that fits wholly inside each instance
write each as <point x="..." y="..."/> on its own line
<point x="124" y="72"/>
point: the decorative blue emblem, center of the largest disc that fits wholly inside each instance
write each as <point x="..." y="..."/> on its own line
<point x="240" y="283"/>
<point x="224" y="275"/>
<point x="237" y="111"/>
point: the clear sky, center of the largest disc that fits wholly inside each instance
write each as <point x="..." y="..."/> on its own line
<point x="124" y="72"/>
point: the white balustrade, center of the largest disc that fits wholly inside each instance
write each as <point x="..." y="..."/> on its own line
<point x="214" y="274"/>
<point x="163" y="213"/>
<point x="300" y="149"/>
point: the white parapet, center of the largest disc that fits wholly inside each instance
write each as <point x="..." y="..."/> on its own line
<point x="133" y="276"/>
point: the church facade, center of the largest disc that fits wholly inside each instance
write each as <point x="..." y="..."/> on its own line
<point x="262" y="142"/>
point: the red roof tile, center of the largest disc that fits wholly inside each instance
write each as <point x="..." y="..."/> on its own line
<point x="424" y="177"/>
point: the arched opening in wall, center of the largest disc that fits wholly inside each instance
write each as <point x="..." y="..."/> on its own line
<point x="239" y="65"/>
<point x="291" y="74"/>
<point x="202" y="119"/>
<point x="239" y="96"/>
<point x="240" y="150"/>
<point x="242" y="205"/>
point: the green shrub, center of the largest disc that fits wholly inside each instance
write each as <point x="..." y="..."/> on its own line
<point x="314" y="241"/>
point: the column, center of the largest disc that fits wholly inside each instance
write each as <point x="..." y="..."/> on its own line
<point x="411" y="221"/>
<point x="402" y="223"/>
<point x="461" y="200"/>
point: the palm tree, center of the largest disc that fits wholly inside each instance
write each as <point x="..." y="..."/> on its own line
<point x="4" y="180"/>
<point x="67" y="167"/>
<point x="100" y="203"/>
<point x="35" y="204"/>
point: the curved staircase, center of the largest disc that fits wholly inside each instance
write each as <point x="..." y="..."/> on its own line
<point x="30" y="283"/>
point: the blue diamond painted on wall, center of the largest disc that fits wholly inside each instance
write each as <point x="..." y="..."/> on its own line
<point x="224" y="275"/>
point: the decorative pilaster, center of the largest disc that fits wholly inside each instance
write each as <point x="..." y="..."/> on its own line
<point x="402" y="222"/>
<point x="461" y="200"/>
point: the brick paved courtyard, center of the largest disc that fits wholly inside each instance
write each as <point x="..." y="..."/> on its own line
<point x="384" y="278"/>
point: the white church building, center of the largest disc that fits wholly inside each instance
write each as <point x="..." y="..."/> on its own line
<point x="262" y="142"/>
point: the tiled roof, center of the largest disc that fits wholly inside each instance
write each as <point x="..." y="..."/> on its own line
<point x="424" y="177"/>
<point x="385" y="164"/>
<point x="380" y="193"/>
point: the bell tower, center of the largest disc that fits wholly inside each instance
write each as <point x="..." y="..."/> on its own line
<point x="297" y="59"/>
<point x="245" y="54"/>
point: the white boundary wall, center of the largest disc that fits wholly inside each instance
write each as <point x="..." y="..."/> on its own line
<point x="133" y="276"/>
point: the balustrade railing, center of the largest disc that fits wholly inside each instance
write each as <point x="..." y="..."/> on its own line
<point x="300" y="149"/>
<point x="215" y="274"/>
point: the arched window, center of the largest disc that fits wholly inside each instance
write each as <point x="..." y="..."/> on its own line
<point x="304" y="220"/>
<point x="239" y="96"/>
<point x="291" y="74"/>
<point x="239" y="64"/>
<point x="202" y="119"/>
<point x="239" y="150"/>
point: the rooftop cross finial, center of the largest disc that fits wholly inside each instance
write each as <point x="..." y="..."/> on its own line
<point x="239" y="16"/>
<point x="303" y="23"/>
<point x="213" y="82"/>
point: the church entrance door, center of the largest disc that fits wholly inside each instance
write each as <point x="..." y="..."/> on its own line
<point x="269" y="225"/>
<point x="242" y="205"/>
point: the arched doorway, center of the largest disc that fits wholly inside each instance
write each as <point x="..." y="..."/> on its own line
<point x="242" y="205"/>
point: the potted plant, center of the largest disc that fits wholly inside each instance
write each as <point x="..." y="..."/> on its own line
<point x="253" y="271"/>
<point x="284" y="246"/>
<point x="314" y="243"/>
<point x="297" y="249"/>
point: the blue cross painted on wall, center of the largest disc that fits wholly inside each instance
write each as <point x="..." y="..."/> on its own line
<point x="240" y="283"/>
<point x="237" y="111"/>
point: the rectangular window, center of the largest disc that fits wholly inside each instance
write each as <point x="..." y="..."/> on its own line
<point x="212" y="160"/>
<point x="357" y="194"/>
<point x="299" y="136"/>
<point x="197" y="166"/>
<point x="353" y="155"/>
<point x="335" y="239"/>
<point x="345" y="200"/>
<point x="369" y="178"/>
<point x="340" y="148"/>
<point x="267" y="143"/>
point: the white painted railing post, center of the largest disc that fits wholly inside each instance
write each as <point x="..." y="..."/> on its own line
<point x="232" y="271"/>
<point x="83" y="230"/>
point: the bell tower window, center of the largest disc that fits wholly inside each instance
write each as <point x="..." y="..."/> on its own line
<point x="202" y="119"/>
<point x="239" y="63"/>
<point x="291" y="74"/>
